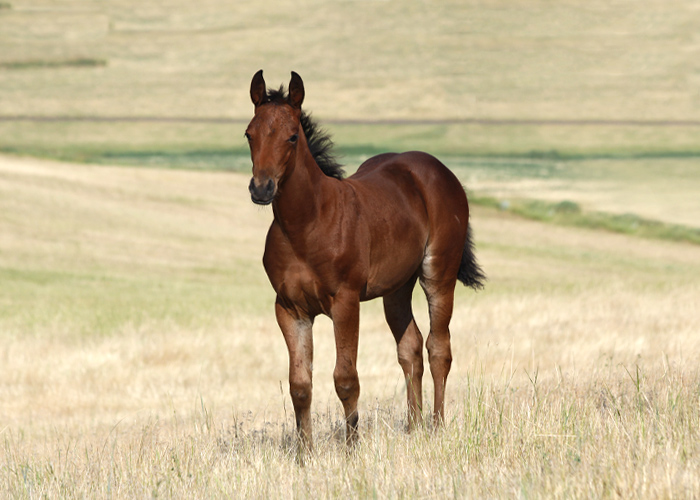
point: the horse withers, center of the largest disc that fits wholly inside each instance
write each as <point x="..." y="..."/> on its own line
<point x="335" y="242"/>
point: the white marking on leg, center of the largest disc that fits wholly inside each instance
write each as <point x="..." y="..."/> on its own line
<point x="304" y="336"/>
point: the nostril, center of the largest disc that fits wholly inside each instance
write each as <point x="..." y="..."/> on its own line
<point x="263" y="192"/>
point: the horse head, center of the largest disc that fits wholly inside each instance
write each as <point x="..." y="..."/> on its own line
<point x="273" y="135"/>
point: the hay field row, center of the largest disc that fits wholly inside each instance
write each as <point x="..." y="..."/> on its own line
<point x="452" y="59"/>
<point x="140" y="356"/>
<point x="365" y="61"/>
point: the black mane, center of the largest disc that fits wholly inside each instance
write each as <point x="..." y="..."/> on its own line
<point x="319" y="141"/>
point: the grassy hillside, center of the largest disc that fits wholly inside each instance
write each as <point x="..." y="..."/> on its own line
<point x="141" y="356"/>
<point x="595" y="94"/>
<point x="366" y="61"/>
<point x="569" y="60"/>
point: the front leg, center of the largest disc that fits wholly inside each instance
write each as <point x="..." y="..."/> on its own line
<point x="345" y="313"/>
<point x="299" y="338"/>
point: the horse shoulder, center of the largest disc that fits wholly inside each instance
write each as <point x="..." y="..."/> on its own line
<point x="295" y="281"/>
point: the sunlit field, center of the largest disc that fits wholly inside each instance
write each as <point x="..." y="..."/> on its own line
<point x="368" y="60"/>
<point x="582" y="63"/>
<point x="141" y="356"/>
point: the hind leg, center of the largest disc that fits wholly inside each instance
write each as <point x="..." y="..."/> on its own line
<point x="438" y="279"/>
<point x="440" y="304"/>
<point x="409" y="346"/>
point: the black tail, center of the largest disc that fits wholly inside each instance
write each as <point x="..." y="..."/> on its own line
<point x="470" y="273"/>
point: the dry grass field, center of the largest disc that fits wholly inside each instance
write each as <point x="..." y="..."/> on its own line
<point x="378" y="59"/>
<point x="140" y="356"/>
<point x="621" y="61"/>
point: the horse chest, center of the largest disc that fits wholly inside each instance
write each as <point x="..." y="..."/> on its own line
<point x="298" y="283"/>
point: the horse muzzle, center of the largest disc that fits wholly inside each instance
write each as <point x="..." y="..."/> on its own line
<point x="262" y="194"/>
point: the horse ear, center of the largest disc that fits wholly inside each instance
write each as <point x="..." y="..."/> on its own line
<point x="258" y="92"/>
<point x="296" y="91"/>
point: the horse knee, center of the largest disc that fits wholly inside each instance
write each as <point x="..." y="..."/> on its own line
<point x="347" y="384"/>
<point x="300" y="390"/>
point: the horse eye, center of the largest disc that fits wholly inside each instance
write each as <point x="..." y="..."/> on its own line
<point x="293" y="139"/>
<point x="247" y="136"/>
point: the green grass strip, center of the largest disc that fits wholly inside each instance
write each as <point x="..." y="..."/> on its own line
<point x="569" y="213"/>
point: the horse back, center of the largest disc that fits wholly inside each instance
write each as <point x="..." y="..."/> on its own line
<point x="419" y="174"/>
<point x="414" y="205"/>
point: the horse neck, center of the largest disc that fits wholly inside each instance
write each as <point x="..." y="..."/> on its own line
<point x="298" y="204"/>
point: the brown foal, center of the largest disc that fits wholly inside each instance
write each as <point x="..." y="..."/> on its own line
<point x="336" y="242"/>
